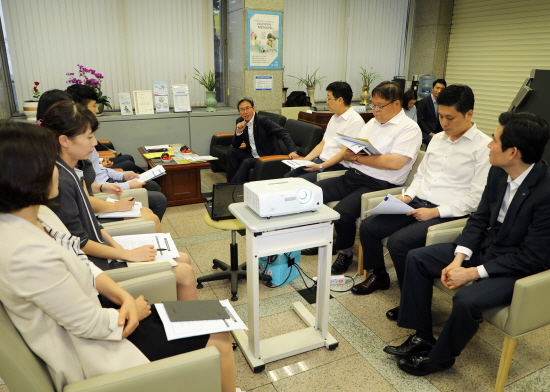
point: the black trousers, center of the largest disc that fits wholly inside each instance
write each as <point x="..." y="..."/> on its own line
<point x="422" y="267"/>
<point x="126" y="162"/>
<point x="405" y="233"/>
<point x="348" y="189"/>
<point x="239" y="163"/>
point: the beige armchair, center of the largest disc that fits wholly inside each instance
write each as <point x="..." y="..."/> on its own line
<point x="523" y="315"/>
<point x="197" y="371"/>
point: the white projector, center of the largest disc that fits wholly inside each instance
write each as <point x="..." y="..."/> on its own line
<point x="282" y="196"/>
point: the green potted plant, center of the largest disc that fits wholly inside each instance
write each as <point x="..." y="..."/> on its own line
<point x="30" y="105"/>
<point x="210" y="82"/>
<point x="310" y="82"/>
<point x="91" y="78"/>
<point x="368" y="78"/>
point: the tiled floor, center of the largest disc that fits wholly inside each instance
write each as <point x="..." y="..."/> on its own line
<point x="360" y="326"/>
<point x="358" y="323"/>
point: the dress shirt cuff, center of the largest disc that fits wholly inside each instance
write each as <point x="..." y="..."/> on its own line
<point x="125" y="185"/>
<point x="466" y="251"/>
<point x="482" y="272"/>
<point x="445" y="211"/>
<point x="116" y="329"/>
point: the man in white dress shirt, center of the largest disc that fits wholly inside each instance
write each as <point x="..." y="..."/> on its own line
<point x="506" y="239"/>
<point x="329" y="155"/>
<point x="447" y="186"/>
<point x="398" y="139"/>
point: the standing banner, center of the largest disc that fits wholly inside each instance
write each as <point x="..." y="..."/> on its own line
<point x="264" y="33"/>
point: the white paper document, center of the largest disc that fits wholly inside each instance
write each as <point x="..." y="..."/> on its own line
<point x="296" y="163"/>
<point x="201" y="158"/>
<point x="391" y="205"/>
<point x="186" y="329"/>
<point x="157" y="261"/>
<point x="356" y="145"/>
<point x="158" y="147"/>
<point x="151" y="174"/>
<point x="161" y="241"/>
<point x="135" y="212"/>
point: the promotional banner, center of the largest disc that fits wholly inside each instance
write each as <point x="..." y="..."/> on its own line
<point x="264" y="32"/>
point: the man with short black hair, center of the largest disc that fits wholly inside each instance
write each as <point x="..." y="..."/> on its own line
<point x="329" y="155"/>
<point x="398" y="139"/>
<point x="262" y="141"/>
<point x="426" y="110"/>
<point x="516" y="208"/>
<point x="447" y="186"/>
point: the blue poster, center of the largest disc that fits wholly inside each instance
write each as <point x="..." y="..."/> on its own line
<point x="264" y="32"/>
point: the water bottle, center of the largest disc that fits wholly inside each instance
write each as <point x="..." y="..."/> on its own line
<point x="425" y="85"/>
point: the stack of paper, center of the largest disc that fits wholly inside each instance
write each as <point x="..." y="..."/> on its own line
<point x="135" y="212"/>
<point x="163" y="242"/>
<point x="201" y="158"/>
<point x="151" y="174"/>
<point x="185" y="329"/>
<point x="391" y="205"/>
<point x="296" y="163"/>
<point x="357" y="145"/>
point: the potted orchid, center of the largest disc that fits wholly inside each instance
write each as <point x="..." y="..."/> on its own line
<point x="91" y="78"/>
<point x="30" y="105"/>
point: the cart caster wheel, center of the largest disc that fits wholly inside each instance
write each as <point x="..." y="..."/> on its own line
<point x="234" y="298"/>
<point x="332" y="346"/>
<point x="234" y="345"/>
<point x="259" y="369"/>
<point x="199" y="285"/>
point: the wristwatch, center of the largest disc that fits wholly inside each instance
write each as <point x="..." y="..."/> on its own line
<point x="321" y="167"/>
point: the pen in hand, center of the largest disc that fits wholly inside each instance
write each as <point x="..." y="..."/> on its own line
<point x="403" y="195"/>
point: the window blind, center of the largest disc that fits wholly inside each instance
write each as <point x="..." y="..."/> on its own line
<point x="493" y="46"/>
<point x="339" y="36"/>
<point x="131" y="42"/>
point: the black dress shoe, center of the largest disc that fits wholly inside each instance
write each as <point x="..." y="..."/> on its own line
<point x="392" y="314"/>
<point x="371" y="284"/>
<point x="412" y="346"/>
<point x="341" y="264"/>
<point x="314" y="251"/>
<point x="310" y="251"/>
<point x="422" y="366"/>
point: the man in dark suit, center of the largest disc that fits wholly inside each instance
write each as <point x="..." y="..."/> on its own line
<point x="246" y="147"/>
<point x="426" y="110"/>
<point x="516" y="208"/>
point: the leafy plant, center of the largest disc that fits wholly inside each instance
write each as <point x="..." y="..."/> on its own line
<point x="368" y="77"/>
<point x="310" y="81"/>
<point x="93" y="82"/>
<point x="207" y="79"/>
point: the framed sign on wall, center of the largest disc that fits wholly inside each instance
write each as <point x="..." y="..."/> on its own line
<point x="264" y="33"/>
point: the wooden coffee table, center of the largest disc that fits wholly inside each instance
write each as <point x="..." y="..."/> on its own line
<point x="182" y="183"/>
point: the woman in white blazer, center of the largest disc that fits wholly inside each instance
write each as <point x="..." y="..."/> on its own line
<point x="50" y="289"/>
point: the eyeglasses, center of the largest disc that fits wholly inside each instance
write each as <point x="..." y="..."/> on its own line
<point x="246" y="109"/>
<point x="374" y="107"/>
<point x="331" y="99"/>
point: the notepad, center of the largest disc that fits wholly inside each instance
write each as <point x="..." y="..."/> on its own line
<point x="195" y="310"/>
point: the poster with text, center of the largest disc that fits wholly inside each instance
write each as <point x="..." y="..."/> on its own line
<point x="264" y="34"/>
